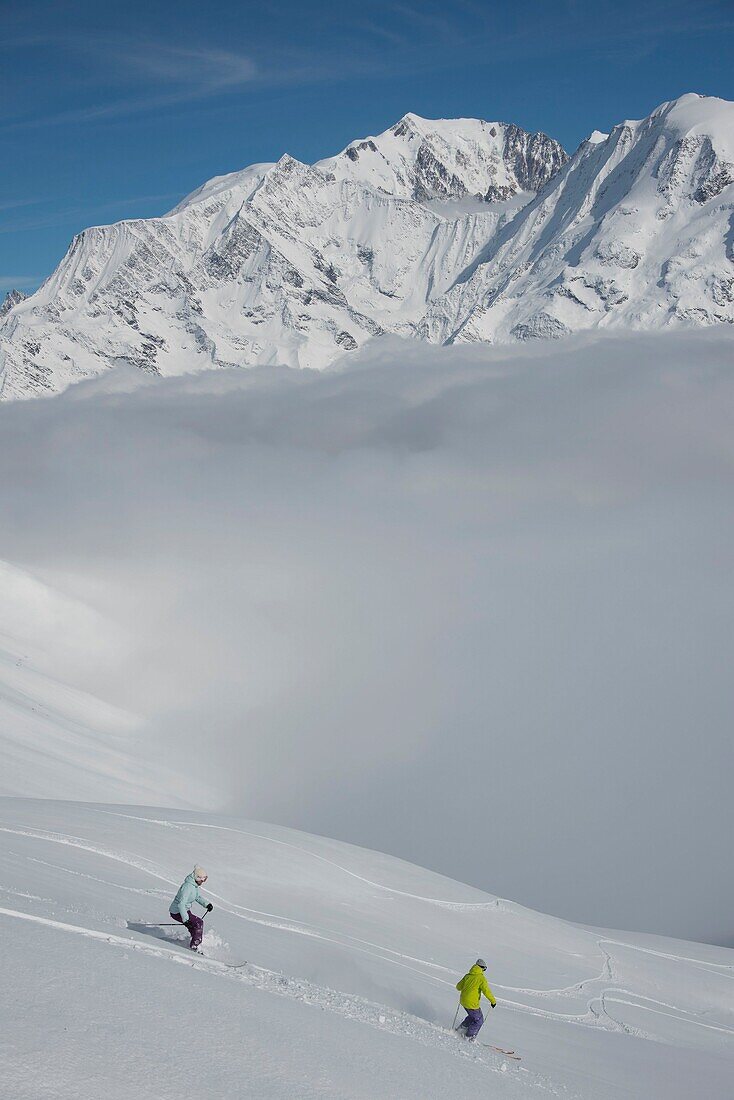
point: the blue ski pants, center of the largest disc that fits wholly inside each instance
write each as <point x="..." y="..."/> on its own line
<point x="473" y="1022"/>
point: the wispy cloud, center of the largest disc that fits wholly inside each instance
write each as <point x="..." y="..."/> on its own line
<point x="430" y="34"/>
<point x="18" y="282"/>
<point x="168" y="75"/>
<point x="156" y="76"/>
<point x="384" y="33"/>
<point x="205" y="66"/>
<point x="15" y="204"/>
<point x="126" y="76"/>
<point x="435" y="20"/>
<point x="72" y="213"/>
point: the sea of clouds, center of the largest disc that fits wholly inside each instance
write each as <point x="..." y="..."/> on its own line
<point x="471" y="606"/>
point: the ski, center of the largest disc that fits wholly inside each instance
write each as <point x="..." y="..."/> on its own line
<point x="489" y="1046"/>
<point x="211" y="958"/>
<point x="505" y="1053"/>
<point x="159" y="924"/>
<point x="230" y="966"/>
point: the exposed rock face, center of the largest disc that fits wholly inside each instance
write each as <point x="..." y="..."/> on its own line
<point x="12" y="298"/>
<point x="442" y="230"/>
<point x="451" y="159"/>
<point x="532" y="158"/>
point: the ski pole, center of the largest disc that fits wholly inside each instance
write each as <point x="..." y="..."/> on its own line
<point x="453" y="1026"/>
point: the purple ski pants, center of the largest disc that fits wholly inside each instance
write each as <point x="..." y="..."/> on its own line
<point x="195" y="926"/>
<point x="473" y="1022"/>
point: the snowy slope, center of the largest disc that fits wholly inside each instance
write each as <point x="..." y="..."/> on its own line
<point x="348" y="989"/>
<point x="57" y="738"/>
<point x="635" y="231"/>
<point x="280" y="263"/>
<point x="53" y="736"/>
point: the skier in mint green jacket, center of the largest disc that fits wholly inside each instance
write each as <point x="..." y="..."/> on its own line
<point x="180" y="909"/>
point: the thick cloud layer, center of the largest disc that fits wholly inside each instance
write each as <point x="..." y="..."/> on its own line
<point x="469" y="606"/>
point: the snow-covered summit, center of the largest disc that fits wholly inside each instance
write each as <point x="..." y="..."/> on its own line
<point x="241" y="184"/>
<point x="423" y="158"/>
<point x="694" y="113"/>
<point x="634" y="230"/>
<point x="416" y="232"/>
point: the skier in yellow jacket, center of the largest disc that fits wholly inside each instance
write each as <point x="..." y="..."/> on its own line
<point x="471" y="988"/>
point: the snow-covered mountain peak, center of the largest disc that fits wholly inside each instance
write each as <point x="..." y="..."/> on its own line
<point x="634" y="230"/>
<point x="423" y="159"/>
<point x="703" y="116"/>
<point x="243" y="182"/>
<point x="282" y="262"/>
<point x="689" y="116"/>
<point x="451" y="130"/>
<point x="444" y="229"/>
<point x="693" y="109"/>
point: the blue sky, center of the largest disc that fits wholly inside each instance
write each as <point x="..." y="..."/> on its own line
<point x="114" y="111"/>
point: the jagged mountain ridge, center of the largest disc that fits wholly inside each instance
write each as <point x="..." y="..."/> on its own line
<point x="280" y="263"/>
<point x="448" y="230"/>
<point x="636" y="229"/>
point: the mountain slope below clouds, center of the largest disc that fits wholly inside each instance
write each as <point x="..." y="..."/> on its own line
<point x="56" y="739"/>
<point x="347" y="991"/>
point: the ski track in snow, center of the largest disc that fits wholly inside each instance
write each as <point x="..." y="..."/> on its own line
<point x="95" y="878"/>
<point x="322" y="859"/>
<point x="72" y="841"/>
<point x="270" y="920"/>
<point x="595" y="1014"/>
<point x="607" y="969"/>
<point x="344" y="1004"/>
<point x="286" y="924"/>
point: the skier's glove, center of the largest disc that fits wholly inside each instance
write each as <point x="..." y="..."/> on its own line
<point x="493" y="1005"/>
<point x="209" y="907"/>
